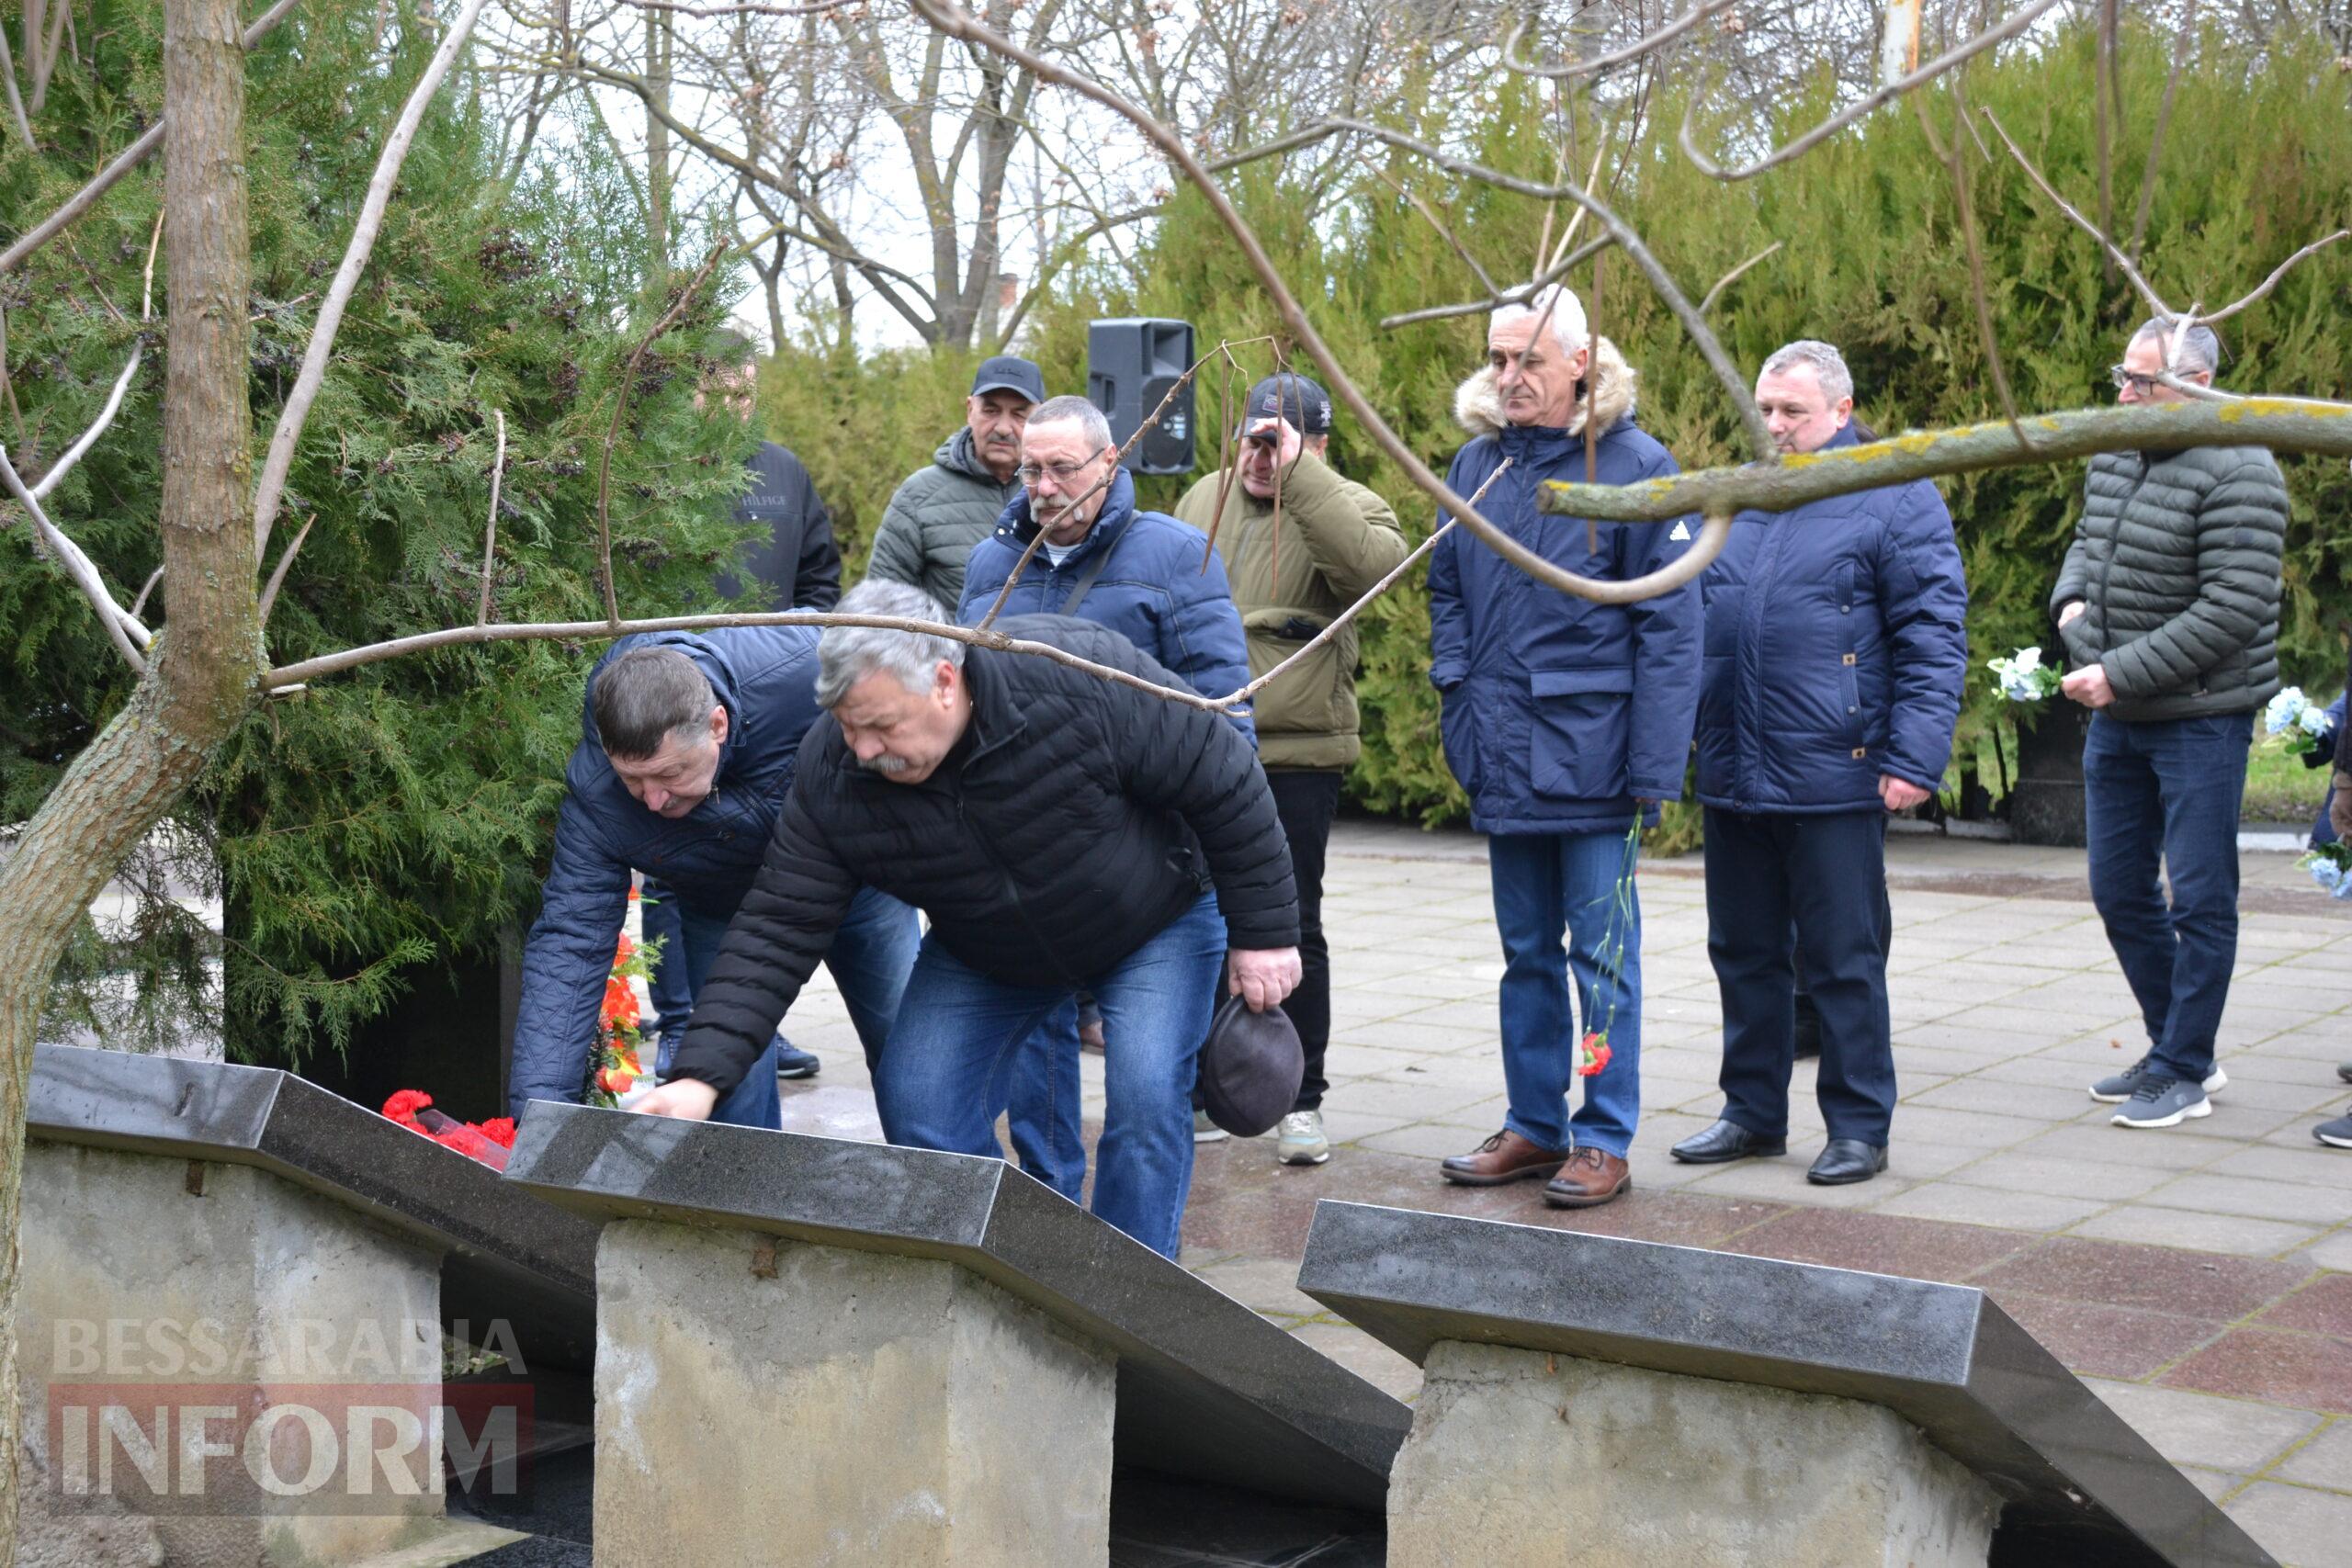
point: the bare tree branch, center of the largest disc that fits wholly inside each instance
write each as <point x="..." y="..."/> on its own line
<point x="130" y="158"/>
<point x="89" y="438"/>
<point x="2267" y="284"/>
<point x="490" y="529"/>
<point x="1856" y="110"/>
<point x="1698" y="12"/>
<point x="1519" y="295"/>
<point x="2068" y="208"/>
<point x="112" y="616"/>
<point x="613" y="431"/>
<point x="2164" y="119"/>
<point x="278" y="577"/>
<point x="271" y="488"/>
<point x="1727" y="279"/>
<point x="15" y="104"/>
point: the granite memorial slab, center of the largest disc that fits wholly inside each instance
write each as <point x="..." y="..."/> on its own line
<point x="1669" y="1328"/>
<point x="503" y="1258"/>
<point x="1206" y="1388"/>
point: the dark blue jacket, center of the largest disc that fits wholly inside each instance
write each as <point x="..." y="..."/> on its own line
<point x="1837" y="646"/>
<point x="1558" y="712"/>
<point x="1152" y="590"/>
<point x="766" y="679"/>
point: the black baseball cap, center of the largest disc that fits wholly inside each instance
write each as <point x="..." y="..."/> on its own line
<point x="1006" y="374"/>
<point x="1293" y="399"/>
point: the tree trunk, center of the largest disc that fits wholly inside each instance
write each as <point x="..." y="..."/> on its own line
<point x="204" y="676"/>
<point x="658" y="47"/>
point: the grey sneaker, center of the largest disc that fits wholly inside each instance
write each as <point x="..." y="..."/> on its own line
<point x="2163" y="1102"/>
<point x="1206" y="1131"/>
<point x="1301" y="1141"/>
<point x="2120" y="1087"/>
<point x="2336" y="1134"/>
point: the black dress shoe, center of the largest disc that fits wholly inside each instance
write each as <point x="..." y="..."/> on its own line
<point x="2344" y="1071"/>
<point x="1846" y="1159"/>
<point x="1726" y="1140"/>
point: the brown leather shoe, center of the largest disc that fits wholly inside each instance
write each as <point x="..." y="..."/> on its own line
<point x="1591" y="1178"/>
<point x="1505" y="1156"/>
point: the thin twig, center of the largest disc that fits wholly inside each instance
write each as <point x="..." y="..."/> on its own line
<point x="2103" y="104"/>
<point x="2068" y="208"/>
<point x="140" y="603"/>
<point x="1860" y="107"/>
<point x="75" y="453"/>
<point x="2156" y="138"/>
<point x="130" y="158"/>
<point x="620" y="409"/>
<point x="271" y="488"/>
<point x="1727" y="279"/>
<point x="1352" y="611"/>
<point x="2267" y="284"/>
<point x="1519" y="295"/>
<point x="1703" y="337"/>
<point x="15" y="104"/>
<point x="1955" y="161"/>
<point x="1477" y="267"/>
<point x="278" y="577"/>
<point x="116" y="621"/>
<point x="490" y="529"/>
<point x="1674" y="29"/>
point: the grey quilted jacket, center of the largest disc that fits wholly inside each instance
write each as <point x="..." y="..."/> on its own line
<point x="2176" y="559"/>
<point x="935" y="518"/>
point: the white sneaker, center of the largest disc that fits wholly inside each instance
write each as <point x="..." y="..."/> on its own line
<point x="1301" y="1141"/>
<point x="1206" y="1131"/>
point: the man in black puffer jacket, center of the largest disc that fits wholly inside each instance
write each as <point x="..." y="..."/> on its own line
<point x="2168" y="606"/>
<point x="1064" y="833"/>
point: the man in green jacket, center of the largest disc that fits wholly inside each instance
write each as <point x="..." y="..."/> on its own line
<point x="939" y="514"/>
<point x="1300" y="544"/>
<point x="2168" y="606"/>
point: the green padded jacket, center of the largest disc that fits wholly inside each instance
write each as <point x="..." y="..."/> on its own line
<point x="2176" y="560"/>
<point x="935" y="519"/>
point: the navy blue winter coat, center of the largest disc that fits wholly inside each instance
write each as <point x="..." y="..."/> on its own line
<point x="1559" y="712"/>
<point x="766" y="679"/>
<point x="1837" y="646"/>
<point x="1152" y="591"/>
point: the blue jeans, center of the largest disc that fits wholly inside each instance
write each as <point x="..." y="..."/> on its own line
<point x="1043" y="1103"/>
<point x="873" y="949"/>
<point x="2168" y="791"/>
<point x="1545" y="884"/>
<point x="1782" y="887"/>
<point x="950" y="1062"/>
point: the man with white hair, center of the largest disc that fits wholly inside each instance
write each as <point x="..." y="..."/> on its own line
<point x="1836" y="647"/>
<point x="1566" y="722"/>
<point x="2168" y="606"/>
<point x="1064" y="832"/>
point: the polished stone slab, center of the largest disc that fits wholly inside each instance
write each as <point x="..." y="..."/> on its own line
<point x="1207" y="1389"/>
<point x="2078" y="1485"/>
<point x="504" y="1258"/>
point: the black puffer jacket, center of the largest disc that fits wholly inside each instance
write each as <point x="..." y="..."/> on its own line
<point x="1072" y="823"/>
<point x="2176" y="559"/>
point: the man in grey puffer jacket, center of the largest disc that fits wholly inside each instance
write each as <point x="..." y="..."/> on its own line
<point x="940" y="512"/>
<point x="2168" y="606"/>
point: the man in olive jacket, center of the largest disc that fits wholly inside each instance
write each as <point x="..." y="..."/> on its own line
<point x="939" y="512"/>
<point x="2168" y="606"/>
<point x="1291" y="579"/>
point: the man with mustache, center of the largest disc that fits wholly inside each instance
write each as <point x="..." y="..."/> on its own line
<point x="940" y="513"/>
<point x="1155" y="582"/>
<point x="687" y="745"/>
<point x="1063" y="832"/>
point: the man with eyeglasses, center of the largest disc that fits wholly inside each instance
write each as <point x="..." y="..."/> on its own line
<point x="1098" y="558"/>
<point x="2168" y="608"/>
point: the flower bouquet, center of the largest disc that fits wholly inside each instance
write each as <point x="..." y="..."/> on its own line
<point x="2330" y="867"/>
<point x="2023" y="677"/>
<point x="613" y="1066"/>
<point x="485" y="1140"/>
<point x="2299" y="722"/>
<point x="1592" y="1051"/>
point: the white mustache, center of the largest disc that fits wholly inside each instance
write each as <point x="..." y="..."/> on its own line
<point x="885" y="766"/>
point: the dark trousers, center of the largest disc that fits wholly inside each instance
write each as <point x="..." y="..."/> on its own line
<point x="1781" y="885"/>
<point x="1306" y="800"/>
<point x="2166" y="793"/>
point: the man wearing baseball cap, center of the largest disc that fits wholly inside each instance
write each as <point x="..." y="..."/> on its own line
<point x="940" y="513"/>
<point x="1294" y="564"/>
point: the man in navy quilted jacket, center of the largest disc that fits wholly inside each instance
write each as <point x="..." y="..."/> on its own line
<point x="1836" y="649"/>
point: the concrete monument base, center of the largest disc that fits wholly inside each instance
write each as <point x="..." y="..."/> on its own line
<point x="233" y="1369"/>
<point x="761" y="1399"/>
<point x="1527" y="1456"/>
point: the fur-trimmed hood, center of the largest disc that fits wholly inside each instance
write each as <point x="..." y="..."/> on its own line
<point x="1479" y="407"/>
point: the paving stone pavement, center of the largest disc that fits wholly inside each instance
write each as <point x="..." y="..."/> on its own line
<point x="2199" y="1278"/>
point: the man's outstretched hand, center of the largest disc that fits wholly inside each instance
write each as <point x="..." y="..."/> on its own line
<point x="1264" y="977"/>
<point x="688" y="1100"/>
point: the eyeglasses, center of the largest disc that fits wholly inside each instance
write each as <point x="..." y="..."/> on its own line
<point x="2133" y="379"/>
<point x="1064" y="473"/>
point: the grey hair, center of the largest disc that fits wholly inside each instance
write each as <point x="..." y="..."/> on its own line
<point x="2199" y="350"/>
<point x="846" y="655"/>
<point x="1828" y="365"/>
<point x="1568" y="327"/>
<point x="1056" y="411"/>
<point x="646" y="695"/>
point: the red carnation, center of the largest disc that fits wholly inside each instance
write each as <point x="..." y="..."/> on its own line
<point x="403" y="1106"/>
<point x="499" y="1130"/>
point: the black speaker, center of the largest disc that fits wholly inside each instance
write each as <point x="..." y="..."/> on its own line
<point x="1130" y="366"/>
